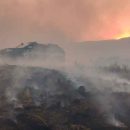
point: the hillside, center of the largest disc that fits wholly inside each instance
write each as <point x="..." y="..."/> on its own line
<point x="38" y="98"/>
<point x="33" y="51"/>
<point x="74" y="96"/>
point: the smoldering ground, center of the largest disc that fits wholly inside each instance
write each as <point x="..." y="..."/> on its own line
<point x="72" y="73"/>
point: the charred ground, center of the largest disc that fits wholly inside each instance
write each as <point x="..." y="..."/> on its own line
<point x="46" y="99"/>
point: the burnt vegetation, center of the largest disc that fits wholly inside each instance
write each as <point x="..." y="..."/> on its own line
<point x="48" y="100"/>
<point x="121" y="70"/>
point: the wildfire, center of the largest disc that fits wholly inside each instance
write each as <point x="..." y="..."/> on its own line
<point x="123" y="35"/>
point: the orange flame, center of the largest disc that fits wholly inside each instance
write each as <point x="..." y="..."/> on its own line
<point x="123" y="35"/>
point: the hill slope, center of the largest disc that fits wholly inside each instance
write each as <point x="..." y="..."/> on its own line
<point x="33" y="51"/>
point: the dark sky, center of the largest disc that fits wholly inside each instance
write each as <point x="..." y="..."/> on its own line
<point x="62" y="20"/>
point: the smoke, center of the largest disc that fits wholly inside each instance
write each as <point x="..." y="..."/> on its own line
<point x="18" y="83"/>
<point x="113" y="121"/>
<point x="83" y="67"/>
<point x="62" y="21"/>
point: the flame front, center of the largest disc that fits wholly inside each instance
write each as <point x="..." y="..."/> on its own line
<point x="123" y="35"/>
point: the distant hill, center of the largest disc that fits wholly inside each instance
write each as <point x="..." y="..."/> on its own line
<point x="35" y="51"/>
<point x="88" y="52"/>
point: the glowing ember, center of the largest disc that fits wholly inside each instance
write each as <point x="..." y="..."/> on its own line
<point x="123" y="35"/>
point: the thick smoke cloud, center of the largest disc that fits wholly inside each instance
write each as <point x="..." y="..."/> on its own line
<point x="61" y="20"/>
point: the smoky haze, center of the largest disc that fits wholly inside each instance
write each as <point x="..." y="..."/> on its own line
<point x="61" y="21"/>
